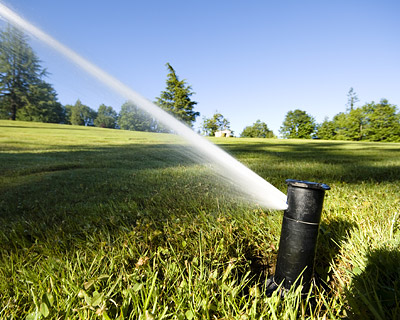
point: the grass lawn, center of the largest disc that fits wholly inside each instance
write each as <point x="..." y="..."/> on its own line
<point x="111" y="224"/>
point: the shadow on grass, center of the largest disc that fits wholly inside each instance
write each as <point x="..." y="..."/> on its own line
<point x="69" y="195"/>
<point x="375" y="291"/>
<point x="98" y="183"/>
<point x="347" y="162"/>
<point x="55" y="184"/>
<point x="332" y="236"/>
<point x="48" y="186"/>
<point x="66" y="127"/>
<point x="37" y="125"/>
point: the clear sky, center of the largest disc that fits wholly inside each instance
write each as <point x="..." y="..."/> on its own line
<point x="253" y="59"/>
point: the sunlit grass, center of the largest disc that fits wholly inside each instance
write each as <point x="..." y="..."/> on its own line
<point x="110" y="224"/>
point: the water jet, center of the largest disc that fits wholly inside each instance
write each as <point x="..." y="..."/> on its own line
<point x="295" y="263"/>
<point x="247" y="182"/>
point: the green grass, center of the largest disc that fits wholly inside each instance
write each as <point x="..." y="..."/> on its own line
<point x="109" y="224"/>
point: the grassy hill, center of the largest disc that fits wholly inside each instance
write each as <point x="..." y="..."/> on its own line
<point x="110" y="224"/>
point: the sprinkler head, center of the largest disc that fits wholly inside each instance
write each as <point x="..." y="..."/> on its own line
<point x="295" y="264"/>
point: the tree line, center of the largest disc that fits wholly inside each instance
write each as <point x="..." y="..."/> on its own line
<point x="370" y="122"/>
<point x="25" y="95"/>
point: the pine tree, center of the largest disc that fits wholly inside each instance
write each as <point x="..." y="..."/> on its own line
<point x="176" y="98"/>
<point x="20" y="71"/>
<point x="41" y="105"/>
<point x="352" y="99"/>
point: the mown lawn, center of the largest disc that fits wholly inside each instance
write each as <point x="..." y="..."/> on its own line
<point x="110" y="224"/>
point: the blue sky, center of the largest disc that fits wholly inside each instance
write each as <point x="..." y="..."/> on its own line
<point x="247" y="59"/>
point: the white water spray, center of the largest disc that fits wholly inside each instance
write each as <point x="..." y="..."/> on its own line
<point x="247" y="181"/>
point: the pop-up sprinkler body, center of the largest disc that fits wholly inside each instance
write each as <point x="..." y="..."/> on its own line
<point x="295" y="264"/>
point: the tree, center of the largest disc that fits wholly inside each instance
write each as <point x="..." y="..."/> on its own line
<point x="383" y="121"/>
<point x="348" y="126"/>
<point x="372" y="122"/>
<point x="133" y="118"/>
<point x="21" y="78"/>
<point x="106" y="117"/>
<point x="354" y="124"/>
<point x="176" y="98"/>
<point x="298" y="124"/>
<point x="257" y="130"/>
<point x="41" y="105"/>
<point x="216" y="123"/>
<point x="80" y="115"/>
<point x="326" y="130"/>
<point x="339" y="125"/>
<point x="352" y="99"/>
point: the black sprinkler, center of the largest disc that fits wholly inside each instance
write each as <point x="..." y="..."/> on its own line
<point x="295" y="264"/>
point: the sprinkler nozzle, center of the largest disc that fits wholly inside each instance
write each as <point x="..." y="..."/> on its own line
<point x="295" y="264"/>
